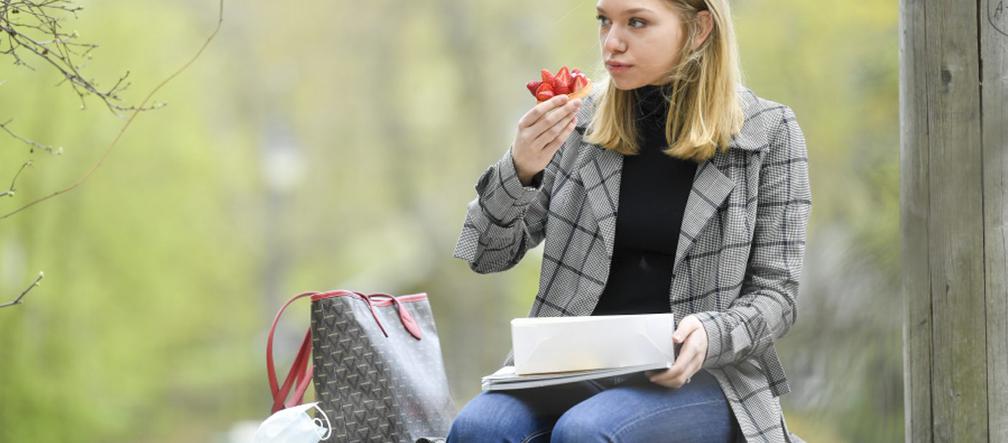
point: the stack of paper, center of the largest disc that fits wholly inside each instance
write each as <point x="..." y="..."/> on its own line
<point x="577" y="343"/>
<point x="506" y="378"/>
<point x="553" y="350"/>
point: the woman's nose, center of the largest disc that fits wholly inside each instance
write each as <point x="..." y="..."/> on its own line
<point x="612" y="42"/>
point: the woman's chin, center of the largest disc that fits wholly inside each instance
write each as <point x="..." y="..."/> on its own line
<point x="625" y="85"/>
<point x="617" y="83"/>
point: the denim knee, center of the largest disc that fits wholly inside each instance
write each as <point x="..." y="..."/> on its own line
<point x="494" y="417"/>
<point x="578" y="428"/>
<point x="475" y="429"/>
<point x="471" y="427"/>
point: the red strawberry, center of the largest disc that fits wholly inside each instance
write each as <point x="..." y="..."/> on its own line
<point x="571" y="82"/>
<point x="547" y="77"/>
<point x="544" y="92"/>
<point x="562" y="81"/>
<point x="544" y="95"/>
<point x="533" y="85"/>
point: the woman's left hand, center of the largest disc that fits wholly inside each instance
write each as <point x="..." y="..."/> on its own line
<point x="690" y="357"/>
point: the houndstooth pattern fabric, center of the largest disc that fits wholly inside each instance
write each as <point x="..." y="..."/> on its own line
<point x="375" y="388"/>
<point x="737" y="263"/>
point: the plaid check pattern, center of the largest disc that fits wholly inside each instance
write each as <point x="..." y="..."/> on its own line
<point x="737" y="264"/>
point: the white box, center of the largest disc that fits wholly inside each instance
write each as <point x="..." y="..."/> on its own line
<point x="557" y="344"/>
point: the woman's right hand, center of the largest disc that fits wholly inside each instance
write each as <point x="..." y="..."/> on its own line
<point x="541" y="132"/>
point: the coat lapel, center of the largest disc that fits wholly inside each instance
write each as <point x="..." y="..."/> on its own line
<point x="601" y="174"/>
<point x="710" y="188"/>
<point x="710" y="185"/>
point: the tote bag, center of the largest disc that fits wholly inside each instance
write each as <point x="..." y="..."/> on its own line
<point x="376" y="364"/>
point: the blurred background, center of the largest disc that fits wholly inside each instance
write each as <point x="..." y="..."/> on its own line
<point x="333" y="144"/>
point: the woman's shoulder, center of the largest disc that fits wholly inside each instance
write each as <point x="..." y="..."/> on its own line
<point x="763" y="119"/>
<point x="761" y="109"/>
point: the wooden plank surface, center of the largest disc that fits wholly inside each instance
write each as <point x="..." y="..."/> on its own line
<point x="949" y="214"/>
<point x="914" y="204"/>
<point x="994" y="56"/>
<point x="959" y="350"/>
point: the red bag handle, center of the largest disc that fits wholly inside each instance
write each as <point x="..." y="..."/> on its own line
<point x="404" y="315"/>
<point x="301" y="371"/>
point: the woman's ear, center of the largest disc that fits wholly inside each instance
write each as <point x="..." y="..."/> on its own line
<point x="706" y="25"/>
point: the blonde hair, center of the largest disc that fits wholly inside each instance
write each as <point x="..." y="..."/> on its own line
<point x="704" y="110"/>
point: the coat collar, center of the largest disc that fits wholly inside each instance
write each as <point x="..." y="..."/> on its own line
<point x="601" y="171"/>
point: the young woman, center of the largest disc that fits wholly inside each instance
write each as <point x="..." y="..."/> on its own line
<point x="680" y="191"/>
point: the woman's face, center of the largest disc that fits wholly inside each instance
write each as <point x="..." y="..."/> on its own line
<point x="642" y="35"/>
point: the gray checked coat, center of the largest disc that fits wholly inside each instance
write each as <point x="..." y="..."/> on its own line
<point x="737" y="264"/>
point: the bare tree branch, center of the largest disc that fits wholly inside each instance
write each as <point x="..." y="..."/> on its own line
<point x="133" y="110"/>
<point x="32" y="145"/>
<point x="25" y="292"/>
<point x="10" y="191"/>
<point x="32" y="31"/>
<point x="19" y="19"/>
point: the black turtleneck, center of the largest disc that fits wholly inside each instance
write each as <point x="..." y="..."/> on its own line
<point x="652" y="199"/>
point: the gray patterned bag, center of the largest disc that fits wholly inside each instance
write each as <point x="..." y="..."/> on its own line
<point x="376" y="365"/>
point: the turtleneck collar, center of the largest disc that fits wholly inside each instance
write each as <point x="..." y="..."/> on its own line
<point x="651" y="104"/>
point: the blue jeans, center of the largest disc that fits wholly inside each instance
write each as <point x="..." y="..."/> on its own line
<point x="617" y="409"/>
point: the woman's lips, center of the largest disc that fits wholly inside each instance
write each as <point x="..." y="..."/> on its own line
<point x="617" y="67"/>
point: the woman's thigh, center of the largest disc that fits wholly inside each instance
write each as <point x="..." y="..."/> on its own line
<point x="517" y="416"/>
<point x="638" y="410"/>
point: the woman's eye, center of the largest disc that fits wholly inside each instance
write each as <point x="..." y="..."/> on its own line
<point x="604" y="21"/>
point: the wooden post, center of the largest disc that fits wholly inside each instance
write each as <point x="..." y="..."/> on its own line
<point x="954" y="218"/>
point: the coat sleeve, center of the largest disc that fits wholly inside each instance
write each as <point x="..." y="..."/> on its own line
<point x="506" y="219"/>
<point x="766" y="306"/>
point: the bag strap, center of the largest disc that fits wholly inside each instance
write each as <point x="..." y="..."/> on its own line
<point x="300" y="374"/>
<point x="404" y="315"/>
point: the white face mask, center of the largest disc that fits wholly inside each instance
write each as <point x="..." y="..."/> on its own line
<point x="294" y="425"/>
